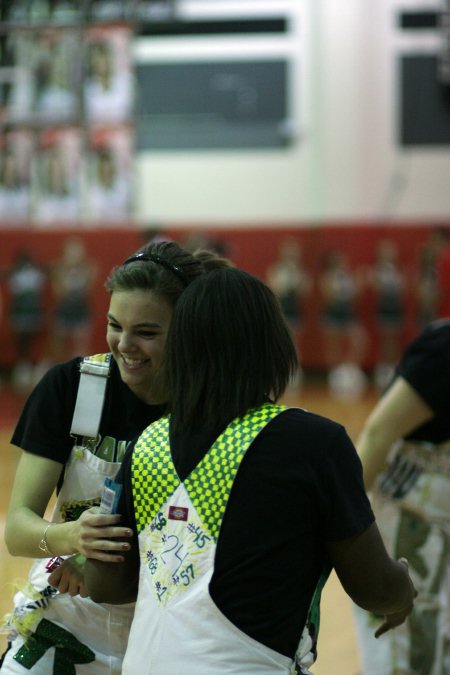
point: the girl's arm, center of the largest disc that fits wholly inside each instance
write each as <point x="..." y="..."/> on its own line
<point x="396" y="414"/>
<point x="372" y="579"/>
<point x="29" y="535"/>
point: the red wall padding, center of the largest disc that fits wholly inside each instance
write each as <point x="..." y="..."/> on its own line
<point x="251" y="248"/>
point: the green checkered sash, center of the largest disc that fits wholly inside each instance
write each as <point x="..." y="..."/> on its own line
<point x="154" y="478"/>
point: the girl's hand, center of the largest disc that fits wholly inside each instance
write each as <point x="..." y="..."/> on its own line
<point x="98" y="535"/>
<point x="69" y="576"/>
<point x="397" y="618"/>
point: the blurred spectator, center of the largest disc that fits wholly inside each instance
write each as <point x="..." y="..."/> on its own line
<point x="345" y="340"/>
<point x="387" y="282"/>
<point x="153" y="234"/>
<point x="73" y="276"/>
<point x="442" y="238"/>
<point x="426" y="288"/>
<point x="426" y="281"/>
<point x="26" y="281"/>
<point x="200" y="240"/>
<point x="290" y="282"/>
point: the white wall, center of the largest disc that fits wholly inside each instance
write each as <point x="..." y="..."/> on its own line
<point x="344" y="164"/>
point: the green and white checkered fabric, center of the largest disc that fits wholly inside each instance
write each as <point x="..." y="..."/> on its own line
<point x="154" y="478"/>
<point x="153" y="473"/>
<point x="209" y="486"/>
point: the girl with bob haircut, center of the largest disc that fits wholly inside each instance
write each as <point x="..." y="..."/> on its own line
<point x="240" y="506"/>
<point x="233" y="364"/>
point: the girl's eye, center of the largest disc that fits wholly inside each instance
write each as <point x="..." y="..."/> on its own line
<point x="113" y="326"/>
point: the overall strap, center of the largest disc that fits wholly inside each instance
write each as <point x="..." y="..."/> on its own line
<point x="209" y="484"/>
<point x="94" y="373"/>
<point x="153" y="474"/>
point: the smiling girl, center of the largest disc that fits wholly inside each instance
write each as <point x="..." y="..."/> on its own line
<point x="54" y="625"/>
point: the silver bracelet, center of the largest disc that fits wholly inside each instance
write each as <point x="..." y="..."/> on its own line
<point x="43" y="544"/>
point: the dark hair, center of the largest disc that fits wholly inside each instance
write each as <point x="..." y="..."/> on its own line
<point x="167" y="274"/>
<point x="212" y="260"/>
<point x="228" y="349"/>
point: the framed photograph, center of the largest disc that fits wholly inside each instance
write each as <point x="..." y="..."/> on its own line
<point x="56" y="75"/>
<point x="16" y="149"/>
<point x="56" y="176"/>
<point x="108" y="90"/>
<point x="47" y="85"/>
<point x="18" y="52"/>
<point x="7" y="74"/>
<point x="109" y="168"/>
<point x="110" y="10"/>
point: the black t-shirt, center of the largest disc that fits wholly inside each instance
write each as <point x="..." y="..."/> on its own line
<point x="299" y="486"/>
<point x="425" y="365"/>
<point x="44" y="425"/>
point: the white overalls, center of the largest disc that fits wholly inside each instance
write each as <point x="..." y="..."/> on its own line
<point x="412" y="507"/>
<point x="65" y="635"/>
<point x="177" y="627"/>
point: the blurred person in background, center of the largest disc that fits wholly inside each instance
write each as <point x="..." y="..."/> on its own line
<point x="442" y="237"/>
<point x="387" y="282"/>
<point x="72" y="275"/>
<point x="26" y="283"/>
<point x="345" y="340"/>
<point x="291" y="283"/>
<point x="426" y="285"/>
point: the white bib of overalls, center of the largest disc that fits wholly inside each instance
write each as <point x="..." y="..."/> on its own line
<point x="177" y="627"/>
<point x="101" y="630"/>
<point x="412" y="507"/>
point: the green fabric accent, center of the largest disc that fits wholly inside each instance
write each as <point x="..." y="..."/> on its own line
<point x="312" y="624"/>
<point x="313" y="620"/>
<point x="153" y="474"/>
<point x="68" y="650"/>
<point x="154" y="478"/>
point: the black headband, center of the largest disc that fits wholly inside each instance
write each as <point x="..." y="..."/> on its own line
<point x="151" y="257"/>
